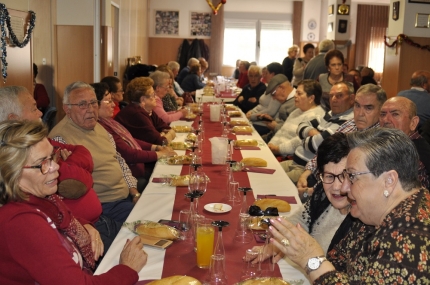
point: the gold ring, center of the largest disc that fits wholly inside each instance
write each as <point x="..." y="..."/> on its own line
<point x="285" y="242"/>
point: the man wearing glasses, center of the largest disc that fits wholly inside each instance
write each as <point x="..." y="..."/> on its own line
<point x="113" y="182"/>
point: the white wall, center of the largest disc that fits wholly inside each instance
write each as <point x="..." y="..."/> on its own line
<point x="76" y="12"/>
<point x="259" y="6"/>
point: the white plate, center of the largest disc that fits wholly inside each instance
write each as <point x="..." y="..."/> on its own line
<point x="210" y="207"/>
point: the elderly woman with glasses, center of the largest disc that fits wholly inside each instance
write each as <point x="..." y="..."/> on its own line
<point x="324" y="212"/>
<point x="116" y="91"/>
<point x="139" y="118"/>
<point x="162" y="87"/>
<point x="41" y="242"/>
<point x="389" y="240"/>
<point x="139" y="155"/>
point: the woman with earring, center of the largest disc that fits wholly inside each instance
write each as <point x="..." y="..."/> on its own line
<point x="388" y="241"/>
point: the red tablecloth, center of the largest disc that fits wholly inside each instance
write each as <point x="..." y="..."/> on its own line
<point x="180" y="258"/>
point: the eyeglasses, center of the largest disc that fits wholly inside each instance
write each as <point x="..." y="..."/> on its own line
<point x="46" y="164"/>
<point x="166" y="87"/>
<point x="329" y="178"/>
<point x="352" y="176"/>
<point x="85" y="105"/>
<point x="150" y="96"/>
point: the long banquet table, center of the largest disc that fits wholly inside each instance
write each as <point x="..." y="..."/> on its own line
<point x="160" y="201"/>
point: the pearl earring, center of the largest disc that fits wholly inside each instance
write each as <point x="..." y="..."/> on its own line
<point x="386" y="193"/>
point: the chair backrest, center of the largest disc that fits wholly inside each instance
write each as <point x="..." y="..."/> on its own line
<point x="49" y="117"/>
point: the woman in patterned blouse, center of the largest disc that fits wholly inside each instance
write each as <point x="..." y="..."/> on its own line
<point x="389" y="240"/>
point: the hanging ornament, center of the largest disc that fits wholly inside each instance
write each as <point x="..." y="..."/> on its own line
<point x="215" y="9"/>
<point x="5" y="18"/>
<point x="343" y="8"/>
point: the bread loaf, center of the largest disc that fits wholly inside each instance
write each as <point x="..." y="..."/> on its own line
<point x="154" y="229"/>
<point x="230" y="107"/>
<point x="239" y="123"/>
<point x="179" y="159"/>
<point x="182" y="129"/>
<point x="254" y="161"/>
<point x="176" y="280"/>
<point x="179" y="145"/>
<point x="234" y="114"/>
<point x="283" y="206"/>
<point x="191" y="137"/>
<point x="180" y="180"/>
<point x="245" y="143"/>
<point x="264" y="281"/>
<point x="242" y="129"/>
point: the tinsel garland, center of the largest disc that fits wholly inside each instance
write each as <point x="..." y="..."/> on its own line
<point x="5" y="18"/>
<point x="404" y="38"/>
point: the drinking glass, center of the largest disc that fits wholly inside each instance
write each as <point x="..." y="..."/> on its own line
<point x="217" y="270"/>
<point x="243" y="233"/>
<point x="205" y="242"/>
<point x="185" y="220"/>
<point x="251" y="269"/>
<point x="233" y="192"/>
<point x="196" y="163"/>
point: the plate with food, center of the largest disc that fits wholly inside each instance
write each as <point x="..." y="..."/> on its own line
<point x="217" y="208"/>
<point x="179" y="159"/>
<point x="182" y="129"/>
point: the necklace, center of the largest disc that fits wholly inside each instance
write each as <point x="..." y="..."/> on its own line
<point x="5" y="18"/>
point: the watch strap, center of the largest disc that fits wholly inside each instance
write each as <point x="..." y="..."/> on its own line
<point x="321" y="259"/>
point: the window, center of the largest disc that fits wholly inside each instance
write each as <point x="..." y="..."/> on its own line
<point x="261" y="41"/>
<point x="376" y="50"/>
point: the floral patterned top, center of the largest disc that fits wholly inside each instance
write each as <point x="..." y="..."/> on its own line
<point x="396" y="252"/>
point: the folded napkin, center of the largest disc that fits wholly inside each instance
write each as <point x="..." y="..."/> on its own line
<point x="289" y="199"/>
<point x="247" y="147"/>
<point x="224" y="94"/>
<point x="259" y="170"/>
<point x="161" y="180"/>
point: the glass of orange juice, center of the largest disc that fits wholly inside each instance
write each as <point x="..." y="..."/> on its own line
<point x="205" y="242"/>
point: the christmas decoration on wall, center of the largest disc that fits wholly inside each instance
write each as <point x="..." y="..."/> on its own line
<point x="215" y="9"/>
<point x="5" y="19"/>
<point x="404" y="38"/>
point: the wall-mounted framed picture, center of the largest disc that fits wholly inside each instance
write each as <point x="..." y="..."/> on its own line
<point x="330" y="27"/>
<point x="200" y="24"/>
<point x="422" y="20"/>
<point x="167" y="23"/>
<point x="330" y="10"/>
<point x="396" y="10"/>
<point x="343" y="26"/>
<point x="420" y="1"/>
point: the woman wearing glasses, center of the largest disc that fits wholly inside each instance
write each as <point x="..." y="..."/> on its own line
<point x="322" y="214"/>
<point x="389" y="240"/>
<point x="41" y="242"/>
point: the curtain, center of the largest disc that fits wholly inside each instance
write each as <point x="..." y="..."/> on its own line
<point x="297" y="22"/>
<point x="372" y="22"/>
<point x="217" y="42"/>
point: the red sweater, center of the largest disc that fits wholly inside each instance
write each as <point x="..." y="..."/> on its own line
<point x="243" y="79"/>
<point x="79" y="166"/>
<point x="31" y="251"/>
<point x="141" y="125"/>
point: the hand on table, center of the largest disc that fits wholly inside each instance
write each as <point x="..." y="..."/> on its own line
<point x="303" y="179"/>
<point x="165" y="151"/>
<point x="266" y="252"/>
<point x="271" y="125"/>
<point x="274" y="148"/>
<point x="252" y="100"/>
<point x="184" y="112"/>
<point x="133" y="254"/>
<point x="240" y="99"/>
<point x="294" y="241"/>
<point x="96" y="242"/>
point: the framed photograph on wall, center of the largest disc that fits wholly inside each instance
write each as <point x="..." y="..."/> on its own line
<point x="420" y="1"/>
<point x="330" y="27"/>
<point x="200" y="24"/>
<point x="343" y="26"/>
<point x="167" y="23"/>
<point x="330" y="10"/>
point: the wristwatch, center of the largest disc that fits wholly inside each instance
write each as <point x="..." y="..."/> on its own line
<point x="314" y="263"/>
<point x="137" y="195"/>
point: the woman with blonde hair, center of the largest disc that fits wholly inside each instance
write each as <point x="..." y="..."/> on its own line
<point x="41" y="242"/>
<point x="288" y="62"/>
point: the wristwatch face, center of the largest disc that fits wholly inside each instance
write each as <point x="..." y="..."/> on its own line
<point x="314" y="263"/>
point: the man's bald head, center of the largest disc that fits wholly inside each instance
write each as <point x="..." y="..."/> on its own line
<point x="399" y="113"/>
<point x="421" y="78"/>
